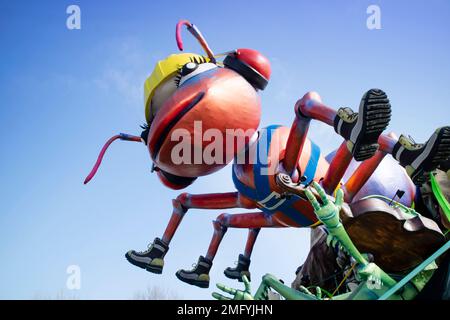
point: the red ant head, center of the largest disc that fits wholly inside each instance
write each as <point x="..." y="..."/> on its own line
<point x="206" y="113"/>
<point x="200" y="114"/>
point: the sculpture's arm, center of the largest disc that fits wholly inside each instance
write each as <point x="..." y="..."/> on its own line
<point x="328" y="214"/>
<point x="268" y="282"/>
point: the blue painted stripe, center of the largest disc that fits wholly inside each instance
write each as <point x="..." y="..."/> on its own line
<point x="311" y="167"/>
<point x="262" y="182"/>
<point x="263" y="185"/>
<point x="244" y="189"/>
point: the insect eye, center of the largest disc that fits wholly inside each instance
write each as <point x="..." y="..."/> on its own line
<point x="188" y="68"/>
<point x="191" y="69"/>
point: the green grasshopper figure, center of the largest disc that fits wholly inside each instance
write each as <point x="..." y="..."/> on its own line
<point x="375" y="283"/>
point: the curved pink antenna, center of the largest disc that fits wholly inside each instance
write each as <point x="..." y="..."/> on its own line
<point x="178" y="33"/>
<point x="197" y="34"/>
<point x="121" y="136"/>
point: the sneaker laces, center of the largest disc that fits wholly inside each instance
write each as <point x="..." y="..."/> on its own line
<point x="409" y="143"/>
<point x="349" y="114"/>
<point x="149" y="248"/>
<point x="414" y="143"/>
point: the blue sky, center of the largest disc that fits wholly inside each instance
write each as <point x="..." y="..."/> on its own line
<point x="64" y="92"/>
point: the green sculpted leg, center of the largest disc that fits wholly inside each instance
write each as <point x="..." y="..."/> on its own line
<point x="268" y="282"/>
<point x="271" y="282"/>
<point x="328" y="214"/>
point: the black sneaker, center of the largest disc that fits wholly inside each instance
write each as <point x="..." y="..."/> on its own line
<point x="421" y="158"/>
<point x="151" y="259"/>
<point x="199" y="276"/>
<point x="241" y="269"/>
<point x="362" y="129"/>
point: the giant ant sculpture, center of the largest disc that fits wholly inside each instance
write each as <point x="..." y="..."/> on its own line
<point x="188" y="88"/>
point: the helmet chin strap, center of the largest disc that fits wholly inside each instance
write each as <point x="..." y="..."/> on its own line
<point x="440" y="197"/>
<point x="197" y="34"/>
<point x="121" y="136"/>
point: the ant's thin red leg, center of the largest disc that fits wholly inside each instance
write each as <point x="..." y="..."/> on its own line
<point x="337" y="168"/>
<point x="368" y="167"/>
<point x="251" y="239"/>
<point x="186" y="201"/>
<point x="361" y="175"/>
<point x="307" y="108"/>
<point x="224" y="221"/>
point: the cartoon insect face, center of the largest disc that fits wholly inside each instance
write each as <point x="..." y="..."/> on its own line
<point x="217" y="99"/>
<point x="203" y="99"/>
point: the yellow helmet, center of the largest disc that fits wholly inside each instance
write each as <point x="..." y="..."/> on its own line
<point x="164" y="69"/>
